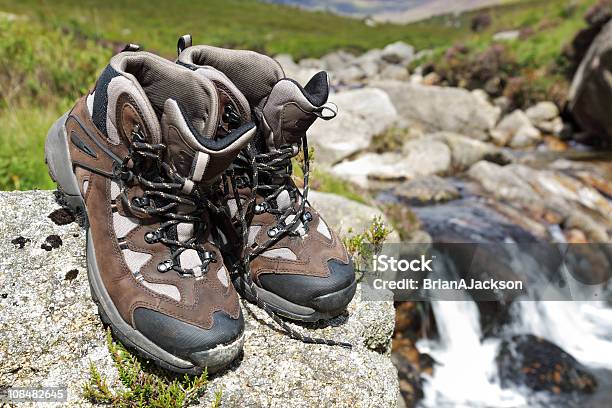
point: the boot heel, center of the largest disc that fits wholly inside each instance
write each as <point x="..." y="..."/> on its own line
<point x="57" y="158"/>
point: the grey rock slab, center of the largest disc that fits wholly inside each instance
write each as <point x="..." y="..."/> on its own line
<point x="436" y="108"/>
<point x="362" y="114"/>
<point x="50" y="330"/>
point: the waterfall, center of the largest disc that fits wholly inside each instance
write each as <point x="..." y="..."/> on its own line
<point x="466" y="374"/>
<point x="583" y="329"/>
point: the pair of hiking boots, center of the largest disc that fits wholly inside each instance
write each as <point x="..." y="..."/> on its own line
<point x="183" y="171"/>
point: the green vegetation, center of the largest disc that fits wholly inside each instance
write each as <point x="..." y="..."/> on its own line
<point x="363" y="245"/>
<point x="51" y="53"/>
<point x="531" y="68"/>
<point x="144" y="385"/>
<point x="324" y="182"/>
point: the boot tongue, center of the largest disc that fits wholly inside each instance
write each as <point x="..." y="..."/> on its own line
<point x="183" y="148"/>
<point x="291" y="109"/>
<point x="200" y="158"/>
<point x="233" y="108"/>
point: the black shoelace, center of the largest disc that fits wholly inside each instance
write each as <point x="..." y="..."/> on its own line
<point x="163" y="197"/>
<point x="276" y="169"/>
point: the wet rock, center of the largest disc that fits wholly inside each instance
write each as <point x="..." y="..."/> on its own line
<point x="51" y="331"/>
<point x="62" y="216"/>
<point x="426" y="190"/>
<point x="591" y="89"/>
<point x="542" y="191"/>
<point x="398" y="53"/>
<point x="362" y="114"/>
<point x="419" y="157"/>
<point x="542" y="366"/>
<point x="20" y="241"/>
<point x="410" y="382"/>
<point x="437" y="108"/>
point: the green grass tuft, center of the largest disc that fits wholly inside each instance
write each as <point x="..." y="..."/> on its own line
<point x="144" y="385"/>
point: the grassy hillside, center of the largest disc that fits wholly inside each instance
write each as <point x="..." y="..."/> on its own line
<point x="52" y="51"/>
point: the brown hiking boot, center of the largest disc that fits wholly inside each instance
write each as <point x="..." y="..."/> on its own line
<point x="298" y="266"/>
<point x="138" y="156"/>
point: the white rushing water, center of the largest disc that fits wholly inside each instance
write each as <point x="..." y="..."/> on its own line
<point x="466" y="375"/>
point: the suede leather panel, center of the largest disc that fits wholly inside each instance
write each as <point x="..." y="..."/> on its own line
<point x="199" y="298"/>
<point x="313" y="251"/>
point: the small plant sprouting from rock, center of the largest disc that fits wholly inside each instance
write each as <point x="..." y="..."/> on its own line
<point x="362" y="246"/>
<point x="151" y="387"/>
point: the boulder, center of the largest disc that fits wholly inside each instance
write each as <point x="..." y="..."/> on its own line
<point x="398" y="53"/>
<point x="437" y="108"/>
<point x="419" y="157"/>
<point x="397" y="72"/>
<point x="348" y="75"/>
<point x="426" y="190"/>
<point x="515" y="124"/>
<point x="369" y="68"/>
<point x="312" y="63"/>
<point x="51" y="331"/>
<point x="542" y="366"/>
<point x="465" y="151"/>
<point x="292" y="70"/>
<point x="503" y="182"/>
<point x="286" y="62"/>
<point x="525" y="136"/>
<point x="344" y="215"/>
<point x="336" y="60"/>
<point x="590" y="94"/>
<point x="542" y="112"/>
<point x="362" y="114"/>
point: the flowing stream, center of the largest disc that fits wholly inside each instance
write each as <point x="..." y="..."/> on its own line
<point x="467" y="374"/>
